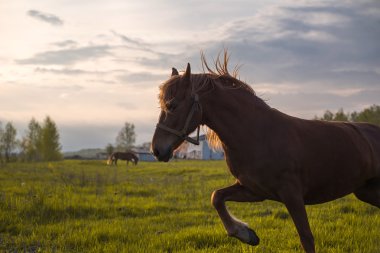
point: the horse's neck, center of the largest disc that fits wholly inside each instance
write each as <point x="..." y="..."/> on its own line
<point x="235" y="115"/>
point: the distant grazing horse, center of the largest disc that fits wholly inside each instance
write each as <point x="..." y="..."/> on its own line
<point x="126" y="156"/>
<point x="272" y="155"/>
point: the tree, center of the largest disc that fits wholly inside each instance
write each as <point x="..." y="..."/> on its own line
<point x="371" y="115"/>
<point x="126" y="137"/>
<point x="50" y="148"/>
<point x="341" y="116"/>
<point x="328" y="116"/>
<point x="109" y="149"/>
<point x="31" y="143"/>
<point x="8" y="140"/>
<point x="338" y="116"/>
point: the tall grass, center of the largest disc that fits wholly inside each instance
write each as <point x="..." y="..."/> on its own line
<point x="86" y="206"/>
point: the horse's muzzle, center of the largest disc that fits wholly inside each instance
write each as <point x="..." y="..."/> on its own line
<point x="162" y="155"/>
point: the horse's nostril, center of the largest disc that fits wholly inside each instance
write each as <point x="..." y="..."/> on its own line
<point x="162" y="154"/>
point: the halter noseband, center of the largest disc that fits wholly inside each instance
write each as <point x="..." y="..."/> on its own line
<point x="182" y="134"/>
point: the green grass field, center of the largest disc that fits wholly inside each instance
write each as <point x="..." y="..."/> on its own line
<point x="86" y="206"/>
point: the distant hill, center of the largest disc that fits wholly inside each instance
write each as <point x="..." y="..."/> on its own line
<point x="91" y="153"/>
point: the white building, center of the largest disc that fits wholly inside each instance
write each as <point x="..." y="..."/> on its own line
<point x="199" y="152"/>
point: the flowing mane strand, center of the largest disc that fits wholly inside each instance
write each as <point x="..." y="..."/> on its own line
<point x="222" y="74"/>
<point x="167" y="91"/>
<point x="219" y="77"/>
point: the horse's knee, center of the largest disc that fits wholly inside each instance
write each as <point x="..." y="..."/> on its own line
<point x="217" y="198"/>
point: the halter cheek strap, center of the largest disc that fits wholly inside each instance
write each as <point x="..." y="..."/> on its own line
<point x="183" y="133"/>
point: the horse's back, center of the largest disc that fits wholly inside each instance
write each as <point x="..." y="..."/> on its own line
<point x="371" y="133"/>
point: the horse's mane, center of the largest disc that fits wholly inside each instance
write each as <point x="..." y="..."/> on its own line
<point x="210" y="78"/>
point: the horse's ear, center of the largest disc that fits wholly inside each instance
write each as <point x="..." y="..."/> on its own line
<point x="185" y="83"/>
<point x="175" y="72"/>
<point x="187" y="73"/>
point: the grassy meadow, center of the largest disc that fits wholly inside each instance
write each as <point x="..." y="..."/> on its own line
<point x="86" y="206"/>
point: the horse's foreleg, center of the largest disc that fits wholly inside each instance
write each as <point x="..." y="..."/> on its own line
<point x="234" y="227"/>
<point x="297" y="211"/>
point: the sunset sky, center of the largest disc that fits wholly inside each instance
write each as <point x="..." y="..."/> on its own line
<point x="93" y="65"/>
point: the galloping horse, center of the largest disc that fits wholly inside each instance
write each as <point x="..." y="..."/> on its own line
<point x="272" y="155"/>
<point x="126" y="156"/>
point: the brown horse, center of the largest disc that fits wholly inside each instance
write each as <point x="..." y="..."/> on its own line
<point x="125" y="156"/>
<point x="272" y="155"/>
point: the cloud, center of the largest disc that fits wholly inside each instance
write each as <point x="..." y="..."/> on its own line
<point x="128" y="40"/>
<point x="46" y="17"/>
<point x="66" y="43"/>
<point x="304" y="57"/>
<point x="307" y="43"/>
<point x="126" y="105"/>
<point x="67" y="71"/>
<point x="68" y="56"/>
<point x="140" y="77"/>
<point x="66" y="88"/>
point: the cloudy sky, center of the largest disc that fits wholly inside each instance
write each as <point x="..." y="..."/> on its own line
<point x="92" y="65"/>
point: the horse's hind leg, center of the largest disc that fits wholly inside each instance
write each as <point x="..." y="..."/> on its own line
<point x="370" y="192"/>
<point x="234" y="227"/>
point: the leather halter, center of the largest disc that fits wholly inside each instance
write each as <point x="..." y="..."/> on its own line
<point x="183" y="133"/>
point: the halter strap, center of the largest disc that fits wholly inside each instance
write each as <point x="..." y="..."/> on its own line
<point x="182" y="134"/>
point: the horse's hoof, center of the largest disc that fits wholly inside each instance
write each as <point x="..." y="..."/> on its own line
<point x="254" y="240"/>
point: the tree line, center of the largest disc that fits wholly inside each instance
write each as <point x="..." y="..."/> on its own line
<point x="40" y="142"/>
<point x="370" y="115"/>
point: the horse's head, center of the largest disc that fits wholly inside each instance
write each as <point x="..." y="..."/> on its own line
<point x="180" y="115"/>
<point x="110" y="159"/>
<point x="136" y="160"/>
